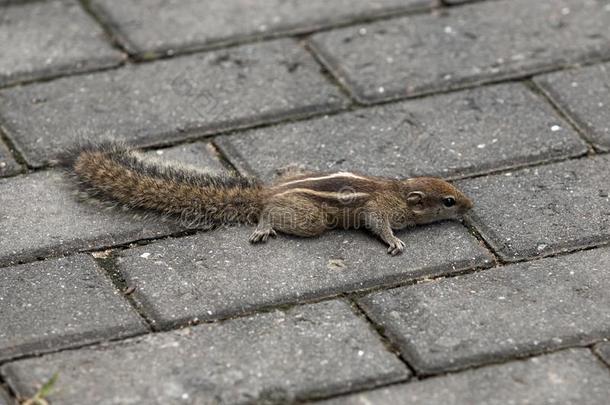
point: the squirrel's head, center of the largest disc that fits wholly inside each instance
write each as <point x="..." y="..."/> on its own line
<point x="432" y="199"/>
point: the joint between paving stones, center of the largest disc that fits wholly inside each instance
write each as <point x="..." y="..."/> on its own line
<point x="530" y="165"/>
<point x="357" y="310"/>
<point x="82" y="4"/>
<point x="110" y="269"/>
<point x="358" y="390"/>
<point x="8" y="389"/>
<point x="186" y="322"/>
<point x="475" y="232"/>
<point x="109" y="264"/>
<point x="333" y="79"/>
<point x="119" y="41"/>
<point x="463" y="267"/>
<point x="448" y="3"/>
<point x="116" y="249"/>
<point x="110" y="33"/>
<point x="107" y="260"/>
<point x="417" y="375"/>
<point x="561" y="251"/>
<point x="195" y="134"/>
<point x="13" y="151"/>
<point x="122" y="42"/>
<point x="344" y="78"/>
<point x="118" y="246"/>
<point x="62" y="75"/>
<point x="357" y="294"/>
<point x="379" y="330"/>
<point x="340" y="76"/>
<point x="212" y="148"/>
<point x="307" y="116"/>
<point x="599" y="357"/>
<point x="544" y="95"/>
<point x="71" y="348"/>
<point x="221" y="157"/>
<point x="235" y="159"/>
<point x="507" y="359"/>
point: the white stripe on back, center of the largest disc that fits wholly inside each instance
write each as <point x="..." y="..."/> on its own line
<point x="330" y="176"/>
<point x="325" y="194"/>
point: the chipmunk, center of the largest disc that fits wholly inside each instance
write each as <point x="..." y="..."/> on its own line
<point x="298" y="202"/>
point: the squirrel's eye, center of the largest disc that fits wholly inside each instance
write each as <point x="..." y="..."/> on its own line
<point x="448" y="201"/>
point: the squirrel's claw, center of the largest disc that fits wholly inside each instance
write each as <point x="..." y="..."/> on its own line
<point x="261" y="235"/>
<point x="396" y="247"/>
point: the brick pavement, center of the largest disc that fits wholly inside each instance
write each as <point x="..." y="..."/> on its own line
<point x="234" y="362"/>
<point x="49" y="39"/>
<point x="89" y="309"/>
<point x="478" y="318"/>
<point x="508" y="97"/>
<point x="582" y="93"/>
<point x="570" y="377"/>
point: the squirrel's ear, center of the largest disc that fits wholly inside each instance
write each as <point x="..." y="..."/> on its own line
<point x="415" y="198"/>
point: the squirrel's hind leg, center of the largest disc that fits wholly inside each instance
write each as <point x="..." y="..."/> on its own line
<point x="291" y="215"/>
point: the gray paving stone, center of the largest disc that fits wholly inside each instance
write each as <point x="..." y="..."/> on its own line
<point x="462" y="46"/>
<point x="219" y="274"/>
<point x="50" y="38"/>
<point x="271" y="357"/>
<point x="60" y="303"/>
<point x="568" y="377"/>
<point x="8" y="165"/>
<point x="499" y="313"/>
<point x="200" y="155"/>
<point x="584" y="95"/>
<point x="543" y="210"/>
<point x="603" y="349"/>
<point x="467" y="132"/>
<point x="41" y="217"/>
<point x="162" y="26"/>
<point x="169" y="100"/>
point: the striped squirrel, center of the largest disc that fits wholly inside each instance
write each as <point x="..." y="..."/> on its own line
<point x="298" y="203"/>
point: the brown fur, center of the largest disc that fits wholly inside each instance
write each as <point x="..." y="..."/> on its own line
<point x="304" y="204"/>
<point x="112" y="173"/>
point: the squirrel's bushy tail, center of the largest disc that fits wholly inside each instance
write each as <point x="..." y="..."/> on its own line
<point x="112" y="172"/>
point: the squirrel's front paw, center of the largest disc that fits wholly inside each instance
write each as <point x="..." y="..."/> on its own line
<point x="261" y="235"/>
<point x="396" y="247"/>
